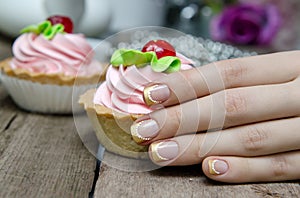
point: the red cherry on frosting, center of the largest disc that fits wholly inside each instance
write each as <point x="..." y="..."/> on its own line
<point x="64" y="20"/>
<point x="160" y="47"/>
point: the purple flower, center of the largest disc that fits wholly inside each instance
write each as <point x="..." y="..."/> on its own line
<point x="246" y="24"/>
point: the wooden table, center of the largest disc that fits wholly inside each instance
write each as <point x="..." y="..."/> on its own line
<point x="43" y="156"/>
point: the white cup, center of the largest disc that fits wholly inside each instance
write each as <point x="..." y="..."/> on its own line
<point x="72" y="8"/>
<point x="90" y="17"/>
<point x="136" y="13"/>
<point x="95" y="18"/>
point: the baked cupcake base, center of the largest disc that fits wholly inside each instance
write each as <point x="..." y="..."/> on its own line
<point x="112" y="129"/>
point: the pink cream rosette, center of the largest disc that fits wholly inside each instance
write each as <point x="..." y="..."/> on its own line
<point x="123" y="89"/>
<point x="65" y="54"/>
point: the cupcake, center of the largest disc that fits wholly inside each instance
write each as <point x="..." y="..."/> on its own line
<point x="48" y="60"/>
<point x="118" y="101"/>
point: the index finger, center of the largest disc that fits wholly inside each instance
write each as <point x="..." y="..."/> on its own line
<point x="190" y="84"/>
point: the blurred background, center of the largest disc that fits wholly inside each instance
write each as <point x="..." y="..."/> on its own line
<point x="260" y="25"/>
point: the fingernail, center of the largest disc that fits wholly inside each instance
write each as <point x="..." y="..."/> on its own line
<point x="144" y="130"/>
<point x="156" y="94"/>
<point x="217" y="167"/>
<point x="164" y="151"/>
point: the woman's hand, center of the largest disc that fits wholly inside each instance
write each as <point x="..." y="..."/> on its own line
<point x="249" y="108"/>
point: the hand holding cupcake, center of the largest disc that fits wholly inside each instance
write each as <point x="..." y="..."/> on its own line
<point x="119" y="100"/>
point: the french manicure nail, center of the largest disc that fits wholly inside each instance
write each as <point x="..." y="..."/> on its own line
<point x="156" y="94"/>
<point x="144" y="130"/>
<point x="217" y="167"/>
<point x="164" y="151"/>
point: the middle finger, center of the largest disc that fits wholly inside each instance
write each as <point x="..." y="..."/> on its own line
<point x="221" y="110"/>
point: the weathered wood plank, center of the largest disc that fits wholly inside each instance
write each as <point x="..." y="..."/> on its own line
<point x="180" y="182"/>
<point x="41" y="155"/>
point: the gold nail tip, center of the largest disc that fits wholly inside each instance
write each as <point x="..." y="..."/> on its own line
<point x="147" y="96"/>
<point x="154" y="152"/>
<point x="135" y="135"/>
<point x="211" y="165"/>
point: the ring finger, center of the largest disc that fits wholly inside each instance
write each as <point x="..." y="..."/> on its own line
<point x="250" y="140"/>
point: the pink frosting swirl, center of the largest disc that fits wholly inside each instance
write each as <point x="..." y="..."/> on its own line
<point x="64" y="54"/>
<point x="123" y="89"/>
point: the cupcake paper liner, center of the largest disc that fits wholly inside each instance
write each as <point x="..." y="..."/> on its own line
<point x="44" y="98"/>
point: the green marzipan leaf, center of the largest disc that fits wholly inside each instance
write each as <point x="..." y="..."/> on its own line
<point x="44" y="28"/>
<point x="130" y="57"/>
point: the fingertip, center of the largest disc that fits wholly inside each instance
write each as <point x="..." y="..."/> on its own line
<point x="216" y="168"/>
<point x="163" y="153"/>
<point x="156" y="94"/>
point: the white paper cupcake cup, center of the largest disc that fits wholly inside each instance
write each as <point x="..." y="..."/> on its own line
<point x="44" y="98"/>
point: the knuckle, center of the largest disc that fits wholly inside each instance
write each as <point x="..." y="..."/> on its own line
<point x="254" y="139"/>
<point x="175" y="118"/>
<point x="235" y="104"/>
<point x="199" y="151"/>
<point x="279" y="166"/>
<point x="178" y="116"/>
<point x="294" y="56"/>
<point x="293" y="91"/>
<point x="232" y="72"/>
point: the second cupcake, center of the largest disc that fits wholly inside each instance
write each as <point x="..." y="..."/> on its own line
<point x="48" y="61"/>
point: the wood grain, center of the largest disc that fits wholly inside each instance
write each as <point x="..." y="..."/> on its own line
<point x="188" y="181"/>
<point x="41" y="155"/>
<point x="182" y="182"/>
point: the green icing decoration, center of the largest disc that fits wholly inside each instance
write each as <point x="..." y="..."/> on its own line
<point x="127" y="57"/>
<point x="45" y="28"/>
